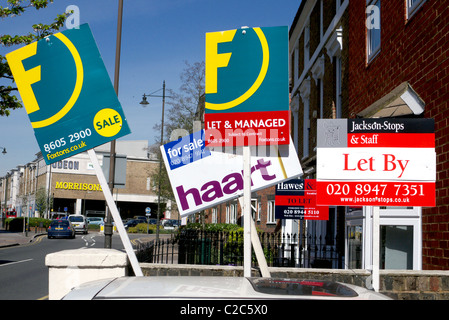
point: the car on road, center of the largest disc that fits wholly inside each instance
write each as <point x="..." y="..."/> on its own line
<point x="60" y="229"/>
<point x="95" y="220"/>
<point x="133" y="223"/>
<point x="218" y="288"/>
<point x="79" y="222"/>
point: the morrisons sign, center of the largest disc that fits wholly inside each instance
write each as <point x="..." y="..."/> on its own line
<point x="78" y="186"/>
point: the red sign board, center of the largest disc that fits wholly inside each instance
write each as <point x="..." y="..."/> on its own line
<point x="376" y="162"/>
<point x="238" y="129"/>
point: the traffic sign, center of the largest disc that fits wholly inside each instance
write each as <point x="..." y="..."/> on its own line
<point x="247" y="95"/>
<point x="67" y="94"/>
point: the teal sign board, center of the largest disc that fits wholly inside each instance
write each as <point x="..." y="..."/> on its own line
<point x="67" y="93"/>
<point x="247" y="94"/>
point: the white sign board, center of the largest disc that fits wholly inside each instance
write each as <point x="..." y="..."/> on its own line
<point x="376" y="162"/>
<point x="202" y="177"/>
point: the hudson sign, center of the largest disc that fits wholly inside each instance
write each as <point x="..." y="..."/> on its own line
<point x="376" y="162"/>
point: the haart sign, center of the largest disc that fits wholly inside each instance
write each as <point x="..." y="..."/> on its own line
<point x="376" y="162"/>
<point x="201" y="177"/>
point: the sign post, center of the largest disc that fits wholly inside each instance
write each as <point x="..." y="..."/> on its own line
<point x="81" y="110"/>
<point x="247" y="98"/>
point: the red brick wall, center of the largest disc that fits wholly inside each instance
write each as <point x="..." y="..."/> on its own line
<point x="416" y="51"/>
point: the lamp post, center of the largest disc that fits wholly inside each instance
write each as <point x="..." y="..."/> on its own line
<point x="108" y="226"/>
<point x="144" y="103"/>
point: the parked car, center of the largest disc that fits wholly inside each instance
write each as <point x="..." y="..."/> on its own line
<point x="133" y="223"/>
<point x="79" y="222"/>
<point x="222" y="288"/>
<point x="170" y="223"/>
<point x="95" y="220"/>
<point x="60" y="229"/>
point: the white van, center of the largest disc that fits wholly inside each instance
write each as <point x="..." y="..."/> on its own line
<point x="79" y="222"/>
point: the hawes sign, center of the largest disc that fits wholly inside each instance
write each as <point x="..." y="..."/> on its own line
<point x="67" y="93"/>
<point x="202" y="177"/>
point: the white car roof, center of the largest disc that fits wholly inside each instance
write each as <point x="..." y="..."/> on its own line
<point x="190" y="287"/>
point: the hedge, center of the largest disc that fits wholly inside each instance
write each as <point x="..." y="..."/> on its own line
<point x="16" y="224"/>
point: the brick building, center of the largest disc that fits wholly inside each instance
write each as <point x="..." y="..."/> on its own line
<point x="370" y="59"/>
<point x="318" y="48"/>
<point x="399" y="67"/>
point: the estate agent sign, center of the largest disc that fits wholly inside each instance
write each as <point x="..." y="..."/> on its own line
<point x="67" y="94"/>
<point x="376" y="162"/>
<point x="247" y="98"/>
<point x="201" y="177"/>
<point x="296" y="199"/>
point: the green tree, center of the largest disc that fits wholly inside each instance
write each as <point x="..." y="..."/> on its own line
<point x="43" y="201"/>
<point x="14" y="8"/>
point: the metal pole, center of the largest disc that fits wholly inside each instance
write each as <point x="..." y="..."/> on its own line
<point x="108" y="224"/>
<point x="114" y="212"/>
<point x="160" y="166"/>
<point x="247" y="211"/>
<point x="376" y="248"/>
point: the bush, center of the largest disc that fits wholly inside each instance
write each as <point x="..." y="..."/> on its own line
<point x="16" y="224"/>
<point x="93" y="227"/>
<point x="142" y="228"/>
<point x="38" y="222"/>
<point x="212" y="227"/>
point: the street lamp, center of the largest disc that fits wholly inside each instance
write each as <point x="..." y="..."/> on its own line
<point x="144" y="103"/>
<point x="4" y="150"/>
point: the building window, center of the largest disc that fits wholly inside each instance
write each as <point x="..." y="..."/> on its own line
<point x="412" y="6"/>
<point x="231" y="213"/>
<point x="307" y="43"/>
<point x="270" y="212"/>
<point x="373" y="11"/>
<point x="214" y="215"/>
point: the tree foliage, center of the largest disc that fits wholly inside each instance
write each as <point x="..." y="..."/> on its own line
<point x="14" y="8"/>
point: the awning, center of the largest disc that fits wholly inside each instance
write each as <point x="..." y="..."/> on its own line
<point x="401" y="101"/>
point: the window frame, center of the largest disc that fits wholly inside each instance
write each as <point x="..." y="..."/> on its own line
<point x="371" y="52"/>
<point x="271" y="218"/>
<point x="412" y="7"/>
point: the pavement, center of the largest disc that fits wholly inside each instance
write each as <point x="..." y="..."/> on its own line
<point x="9" y="239"/>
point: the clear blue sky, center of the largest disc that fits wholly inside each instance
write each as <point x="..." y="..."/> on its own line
<point x="157" y="37"/>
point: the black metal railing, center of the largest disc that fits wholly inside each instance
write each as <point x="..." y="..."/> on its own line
<point x="226" y="248"/>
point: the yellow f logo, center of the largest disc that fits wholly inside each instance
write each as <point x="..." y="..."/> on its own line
<point x="214" y="59"/>
<point x="24" y="79"/>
